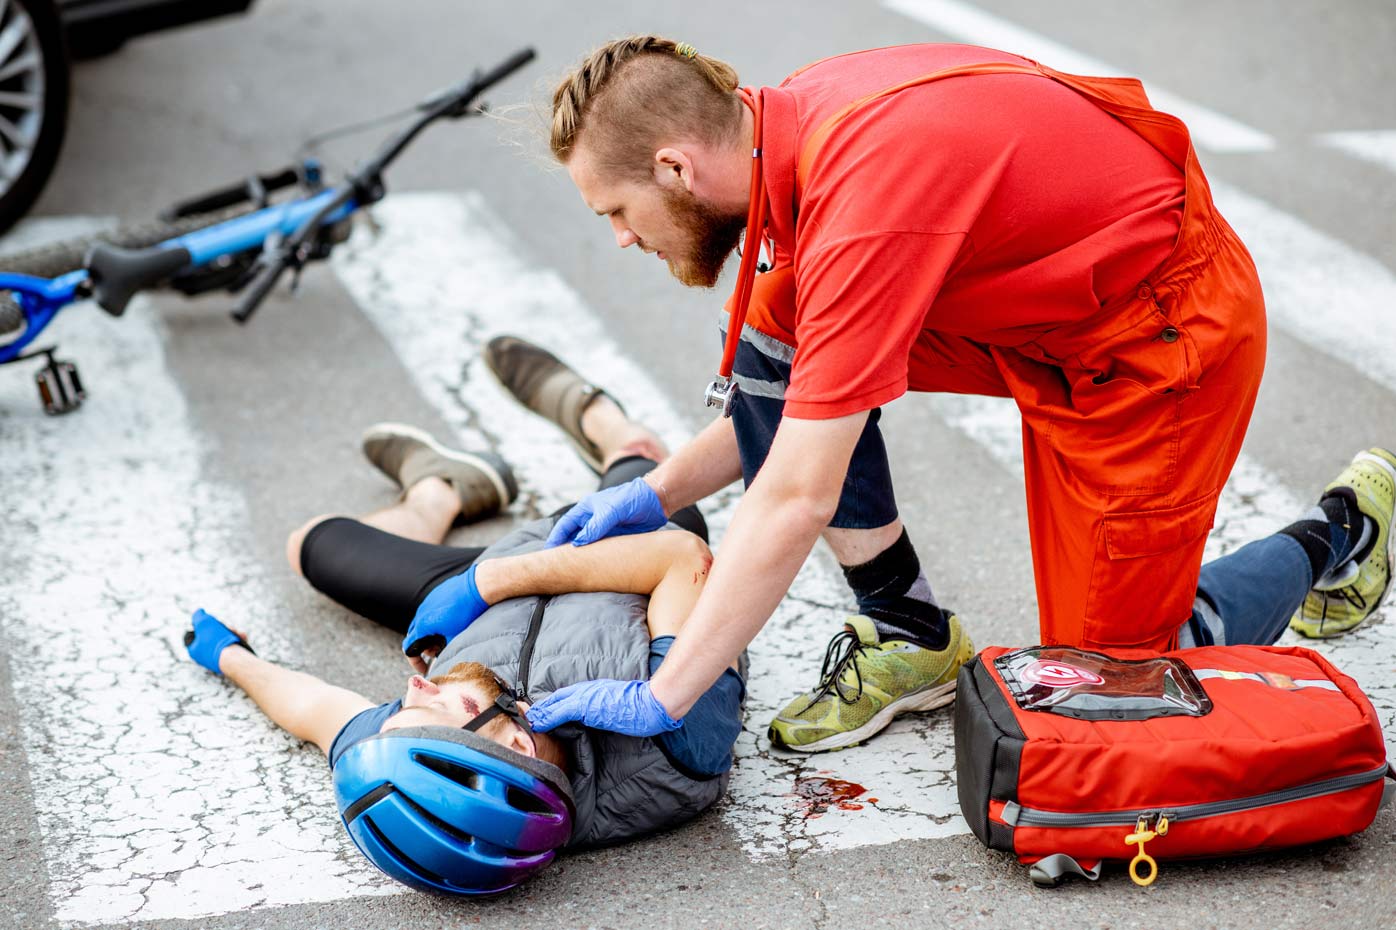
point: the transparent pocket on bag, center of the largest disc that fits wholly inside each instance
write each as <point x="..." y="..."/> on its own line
<point x="1092" y="686"/>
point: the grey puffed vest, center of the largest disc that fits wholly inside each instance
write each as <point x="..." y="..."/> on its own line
<point x="624" y="786"/>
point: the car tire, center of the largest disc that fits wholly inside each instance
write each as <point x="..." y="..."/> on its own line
<point x="34" y="83"/>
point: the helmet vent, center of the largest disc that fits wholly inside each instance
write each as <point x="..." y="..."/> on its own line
<point x="448" y="769"/>
<point x="528" y="803"/>
<point x="400" y="856"/>
<point x="450" y="830"/>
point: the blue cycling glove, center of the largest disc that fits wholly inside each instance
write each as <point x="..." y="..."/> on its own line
<point x="627" y="508"/>
<point x="626" y="707"/>
<point x="207" y="640"/>
<point x="450" y="607"/>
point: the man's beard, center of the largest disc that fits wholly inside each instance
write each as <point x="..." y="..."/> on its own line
<point x="712" y="237"/>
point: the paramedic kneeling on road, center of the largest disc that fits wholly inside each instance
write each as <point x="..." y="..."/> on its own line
<point x="942" y="218"/>
<point x="448" y="787"/>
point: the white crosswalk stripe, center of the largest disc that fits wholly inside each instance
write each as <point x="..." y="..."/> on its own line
<point x="1376" y="146"/>
<point x="967" y="23"/>
<point x="444" y="278"/>
<point x="160" y="793"/>
<point x="1317" y="288"/>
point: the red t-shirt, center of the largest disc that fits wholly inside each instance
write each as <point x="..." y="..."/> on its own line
<point x="994" y="206"/>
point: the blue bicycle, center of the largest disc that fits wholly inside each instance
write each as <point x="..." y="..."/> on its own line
<point x="231" y="239"/>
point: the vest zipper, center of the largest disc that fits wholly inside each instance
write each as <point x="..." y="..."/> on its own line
<point x="1016" y="815"/>
<point x="535" y="626"/>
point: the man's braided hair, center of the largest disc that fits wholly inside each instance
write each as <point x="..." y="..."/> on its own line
<point x="631" y="96"/>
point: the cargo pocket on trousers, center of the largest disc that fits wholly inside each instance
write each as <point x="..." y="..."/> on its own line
<point x="1125" y="428"/>
<point x="1144" y="576"/>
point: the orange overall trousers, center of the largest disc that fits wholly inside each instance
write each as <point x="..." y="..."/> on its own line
<point x="1132" y="418"/>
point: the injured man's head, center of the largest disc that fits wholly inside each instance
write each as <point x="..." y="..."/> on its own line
<point x="457" y="697"/>
<point x="454" y="792"/>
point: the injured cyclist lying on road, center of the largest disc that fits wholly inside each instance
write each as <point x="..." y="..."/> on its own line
<point x="452" y="787"/>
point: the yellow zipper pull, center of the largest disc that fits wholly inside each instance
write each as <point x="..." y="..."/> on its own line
<point x="1141" y="835"/>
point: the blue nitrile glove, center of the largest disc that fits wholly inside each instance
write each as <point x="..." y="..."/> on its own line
<point x="627" y="508"/>
<point x="208" y="639"/>
<point x="625" y="707"/>
<point x="450" y="607"/>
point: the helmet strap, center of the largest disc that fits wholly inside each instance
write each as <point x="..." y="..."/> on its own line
<point x="505" y="704"/>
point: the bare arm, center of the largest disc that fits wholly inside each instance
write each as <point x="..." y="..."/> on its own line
<point x="301" y="704"/>
<point x="772" y="532"/>
<point x="707" y="464"/>
<point x="671" y="566"/>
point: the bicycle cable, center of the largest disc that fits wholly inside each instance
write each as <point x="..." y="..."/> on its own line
<point x="311" y="145"/>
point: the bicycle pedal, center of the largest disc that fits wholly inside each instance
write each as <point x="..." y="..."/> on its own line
<point x="60" y="387"/>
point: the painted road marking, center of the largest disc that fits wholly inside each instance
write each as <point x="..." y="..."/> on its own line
<point x="444" y="277"/>
<point x="1317" y="288"/>
<point x="1377" y="147"/>
<point x="1255" y="503"/>
<point x="120" y="844"/>
<point x="161" y="792"/>
<point x="1210" y="130"/>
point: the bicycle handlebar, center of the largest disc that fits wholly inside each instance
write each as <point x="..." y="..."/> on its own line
<point x="507" y="67"/>
<point x="453" y="100"/>
<point x="364" y="184"/>
<point x="260" y="287"/>
<point x="251" y="189"/>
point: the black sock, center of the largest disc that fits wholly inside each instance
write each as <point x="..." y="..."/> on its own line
<point x="893" y="592"/>
<point x="1330" y="532"/>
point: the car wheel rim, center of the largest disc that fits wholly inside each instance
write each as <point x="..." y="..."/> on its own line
<point x="21" y="92"/>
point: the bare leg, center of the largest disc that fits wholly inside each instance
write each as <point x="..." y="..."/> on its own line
<point x="426" y="511"/>
<point x="855" y="547"/>
<point x="424" y="514"/>
<point x="617" y="436"/>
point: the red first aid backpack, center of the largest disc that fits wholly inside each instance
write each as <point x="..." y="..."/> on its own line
<point x="1069" y="758"/>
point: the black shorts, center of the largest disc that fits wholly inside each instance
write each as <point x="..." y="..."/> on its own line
<point x="385" y="577"/>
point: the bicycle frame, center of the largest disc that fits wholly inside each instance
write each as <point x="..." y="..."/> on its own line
<point x="285" y="236"/>
<point x="43" y="298"/>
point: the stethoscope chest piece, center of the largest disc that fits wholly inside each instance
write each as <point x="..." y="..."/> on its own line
<point x="722" y="393"/>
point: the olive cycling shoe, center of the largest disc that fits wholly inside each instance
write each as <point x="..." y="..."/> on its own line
<point x="1353" y="590"/>
<point x="865" y="683"/>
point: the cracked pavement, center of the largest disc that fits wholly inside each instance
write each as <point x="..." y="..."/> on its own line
<point x="159" y="795"/>
<point x="155" y="783"/>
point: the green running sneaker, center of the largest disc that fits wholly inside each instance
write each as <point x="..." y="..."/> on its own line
<point x="865" y="683"/>
<point x="1352" y="592"/>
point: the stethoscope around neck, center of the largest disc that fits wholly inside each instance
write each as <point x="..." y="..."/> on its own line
<point x="723" y="391"/>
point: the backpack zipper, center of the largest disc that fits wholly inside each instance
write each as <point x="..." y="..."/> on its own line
<point x="1016" y="815"/>
<point x="1149" y="824"/>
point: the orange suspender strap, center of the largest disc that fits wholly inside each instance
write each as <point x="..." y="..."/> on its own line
<point x="1121" y="97"/>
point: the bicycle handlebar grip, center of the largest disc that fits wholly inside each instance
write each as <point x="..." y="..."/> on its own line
<point x="221" y="197"/>
<point x="507" y="67"/>
<point x="258" y="290"/>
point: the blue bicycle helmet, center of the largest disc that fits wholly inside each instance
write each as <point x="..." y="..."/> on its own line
<point x="447" y="810"/>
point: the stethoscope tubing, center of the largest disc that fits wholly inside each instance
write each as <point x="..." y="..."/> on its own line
<point x="757" y="207"/>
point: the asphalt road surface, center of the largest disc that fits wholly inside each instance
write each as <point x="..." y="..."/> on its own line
<point x="141" y="791"/>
